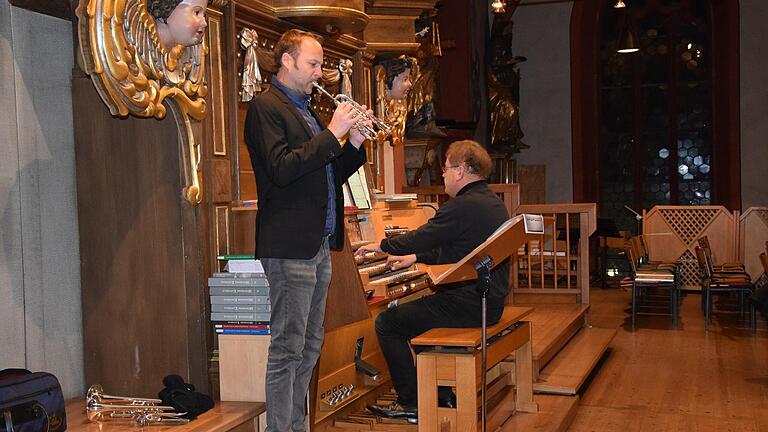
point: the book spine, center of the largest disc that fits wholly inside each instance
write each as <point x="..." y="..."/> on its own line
<point x="228" y="316"/>
<point x="237" y="282"/>
<point x="239" y="308"/>
<point x="239" y="291"/>
<point x="242" y="331"/>
<point x="239" y="299"/>
<point x="246" y="322"/>
<point x="242" y="326"/>
<point x="229" y="275"/>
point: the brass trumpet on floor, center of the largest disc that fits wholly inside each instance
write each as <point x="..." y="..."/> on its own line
<point x="367" y="131"/>
<point x="102" y="407"/>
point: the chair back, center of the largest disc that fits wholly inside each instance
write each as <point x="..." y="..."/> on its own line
<point x="628" y="251"/>
<point x="704" y="244"/>
<point x="704" y="263"/>
<point x="637" y="248"/>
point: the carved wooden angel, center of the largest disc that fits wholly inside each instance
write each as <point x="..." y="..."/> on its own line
<point x="145" y="56"/>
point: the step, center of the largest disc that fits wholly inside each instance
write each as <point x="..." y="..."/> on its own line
<point x="555" y="415"/>
<point x="552" y="325"/>
<point x="568" y="370"/>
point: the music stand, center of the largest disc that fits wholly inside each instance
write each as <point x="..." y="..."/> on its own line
<point x="502" y="244"/>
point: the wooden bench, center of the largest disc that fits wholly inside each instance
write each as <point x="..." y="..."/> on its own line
<point x="455" y="360"/>
<point x="224" y="417"/>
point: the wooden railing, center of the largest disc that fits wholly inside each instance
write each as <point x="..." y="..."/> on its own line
<point x="560" y="263"/>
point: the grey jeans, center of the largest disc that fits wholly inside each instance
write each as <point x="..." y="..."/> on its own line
<point x="297" y="292"/>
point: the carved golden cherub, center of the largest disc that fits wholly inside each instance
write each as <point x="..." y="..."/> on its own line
<point x="147" y="56"/>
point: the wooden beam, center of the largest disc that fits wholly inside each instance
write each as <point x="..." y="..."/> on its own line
<point x="56" y="8"/>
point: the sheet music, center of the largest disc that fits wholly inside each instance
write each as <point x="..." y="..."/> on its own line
<point x="358" y="188"/>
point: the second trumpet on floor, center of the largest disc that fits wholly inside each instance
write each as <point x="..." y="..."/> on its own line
<point x="369" y="132"/>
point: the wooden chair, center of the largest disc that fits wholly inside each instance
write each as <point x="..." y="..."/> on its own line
<point x="723" y="282"/>
<point x="652" y="277"/>
<point x="644" y="258"/>
<point x="730" y="267"/>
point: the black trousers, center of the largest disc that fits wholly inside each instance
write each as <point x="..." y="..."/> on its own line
<point x="396" y="326"/>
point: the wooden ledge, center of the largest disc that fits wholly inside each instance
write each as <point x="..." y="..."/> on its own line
<point x="223" y="417"/>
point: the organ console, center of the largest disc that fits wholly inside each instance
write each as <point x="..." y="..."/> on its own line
<point x="341" y="387"/>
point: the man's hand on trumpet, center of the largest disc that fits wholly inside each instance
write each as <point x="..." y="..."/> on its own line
<point x="343" y="119"/>
<point x="355" y="136"/>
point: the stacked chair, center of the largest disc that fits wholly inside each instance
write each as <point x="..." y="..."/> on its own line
<point x="726" y="278"/>
<point x="651" y="275"/>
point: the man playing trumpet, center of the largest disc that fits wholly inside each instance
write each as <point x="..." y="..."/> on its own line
<point x="300" y="167"/>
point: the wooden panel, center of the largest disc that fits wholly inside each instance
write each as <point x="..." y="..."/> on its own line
<point x="243" y="367"/>
<point x="217" y="89"/>
<point x="142" y="287"/>
<point x="346" y="299"/>
<point x="533" y="183"/>
<point x="390" y="29"/>
<point x="244" y="232"/>
<point x="753" y="233"/>
<point x="672" y="232"/>
<point x="220" y="185"/>
<point x="221" y="230"/>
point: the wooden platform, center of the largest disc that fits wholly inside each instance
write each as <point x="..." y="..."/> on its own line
<point x="555" y="415"/>
<point x="553" y="326"/>
<point x="224" y="417"/>
<point x="568" y="370"/>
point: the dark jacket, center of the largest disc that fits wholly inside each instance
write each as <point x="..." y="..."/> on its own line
<point x="291" y="179"/>
<point x="458" y="227"/>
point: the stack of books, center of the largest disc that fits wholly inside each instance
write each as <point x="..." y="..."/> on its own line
<point x="240" y="299"/>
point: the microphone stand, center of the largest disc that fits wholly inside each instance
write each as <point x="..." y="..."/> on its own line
<point x="638" y="218"/>
<point x="483" y="269"/>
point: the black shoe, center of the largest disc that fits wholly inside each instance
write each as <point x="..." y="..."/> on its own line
<point x="446" y="398"/>
<point x="395" y="410"/>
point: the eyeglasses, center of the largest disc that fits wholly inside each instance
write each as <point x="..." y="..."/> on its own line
<point x="446" y="168"/>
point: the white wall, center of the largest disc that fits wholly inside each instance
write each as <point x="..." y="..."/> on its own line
<point x="40" y="312"/>
<point x="754" y="103"/>
<point x="542" y="34"/>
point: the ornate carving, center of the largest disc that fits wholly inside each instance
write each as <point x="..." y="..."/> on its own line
<point x="134" y="74"/>
<point x="345" y="69"/>
<point x="251" y="84"/>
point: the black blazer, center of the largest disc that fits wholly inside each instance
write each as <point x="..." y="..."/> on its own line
<point x="290" y="176"/>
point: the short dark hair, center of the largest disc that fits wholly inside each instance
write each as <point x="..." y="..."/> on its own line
<point x="472" y="154"/>
<point x="161" y="9"/>
<point x="290" y="42"/>
<point x="395" y="66"/>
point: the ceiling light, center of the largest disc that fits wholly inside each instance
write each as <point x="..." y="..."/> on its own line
<point x="499" y="6"/>
<point x="628" y="42"/>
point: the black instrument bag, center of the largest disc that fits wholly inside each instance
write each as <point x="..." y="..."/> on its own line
<point x="31" y="402"/>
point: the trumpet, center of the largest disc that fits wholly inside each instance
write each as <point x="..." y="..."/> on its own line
<point x="367" y="131"/>
<point x="102" y="407"/>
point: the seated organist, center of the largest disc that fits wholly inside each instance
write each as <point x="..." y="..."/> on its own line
<point x="465" y="221"/>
